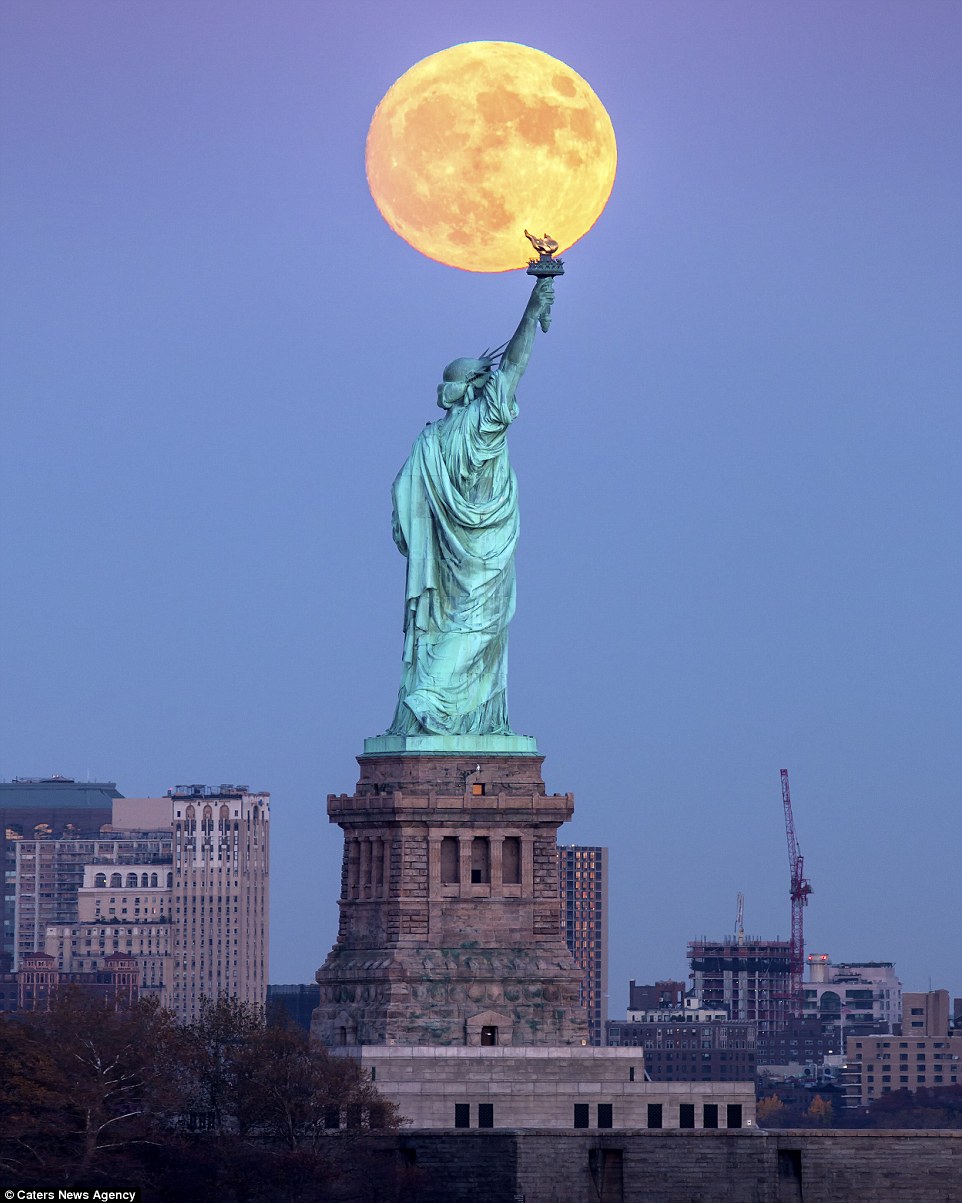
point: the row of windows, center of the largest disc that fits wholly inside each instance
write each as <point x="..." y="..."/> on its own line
<point x="604" y="1115"/>
<point x="480" y="863"/>
<point x="905" y="1056"/>
<point x="920" y="1079"/>
<point x="902" y="1044"/>
<point x="147" y="881"/>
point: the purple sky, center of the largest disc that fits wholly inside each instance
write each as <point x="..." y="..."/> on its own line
<point x="738" y="449"/>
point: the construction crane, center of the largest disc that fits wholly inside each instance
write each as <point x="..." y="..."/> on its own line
<point x="740" y="919"/>
<point x="800" y="890"/>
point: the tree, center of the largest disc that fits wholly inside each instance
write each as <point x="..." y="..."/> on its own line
<point x="820" y="1111"/>
<point x="927" y="1107"/>
<point x="769" y="1109"/>
<point x="270" y="1114"/>
<point x="226" y="1108"/>
<point x="87" y="1088"/>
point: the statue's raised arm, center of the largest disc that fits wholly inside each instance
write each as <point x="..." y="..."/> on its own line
<point x="518" y="351"/>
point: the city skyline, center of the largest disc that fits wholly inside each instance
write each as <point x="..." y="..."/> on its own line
<point x="737" y="451"/>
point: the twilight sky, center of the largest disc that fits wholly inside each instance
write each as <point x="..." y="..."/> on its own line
<point x="738" y="449"/>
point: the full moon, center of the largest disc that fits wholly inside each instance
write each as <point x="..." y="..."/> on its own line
<point x="479" y="142"/>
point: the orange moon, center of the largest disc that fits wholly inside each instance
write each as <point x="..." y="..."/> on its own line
<point x="479" y="142"/>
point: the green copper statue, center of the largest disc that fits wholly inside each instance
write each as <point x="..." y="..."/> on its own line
<point x="456" y="521"/>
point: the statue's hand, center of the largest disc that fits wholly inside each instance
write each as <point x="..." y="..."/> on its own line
<point x="543" y="295"/>
<point x="544" y="291"/>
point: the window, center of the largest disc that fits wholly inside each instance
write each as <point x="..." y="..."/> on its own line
<point x="489" y="1035"/>
<point x="449" y="861"/>
<point x="734" y="1116"/>
<point x="462" y="1115"/>
<point x="581" y="1115"/>
<point x="686" y="1115"/>
<point x="477" y="789"/>
<point x="485" y="1115"/>
<point x="605" y="1115"/>
<point x="511" y="861"/>
<point x="480" y="860"/>
<point x="654" y="1115"/>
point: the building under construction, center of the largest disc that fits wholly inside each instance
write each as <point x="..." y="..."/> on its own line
<point x="750" y="979"/>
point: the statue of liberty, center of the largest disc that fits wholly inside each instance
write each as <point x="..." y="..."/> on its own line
<point x="456" y="520"/>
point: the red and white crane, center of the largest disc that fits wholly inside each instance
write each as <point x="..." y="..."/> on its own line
<point x="800" y="890"/>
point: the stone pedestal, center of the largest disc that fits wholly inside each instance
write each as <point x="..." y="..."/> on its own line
<point x="449" y="917"/>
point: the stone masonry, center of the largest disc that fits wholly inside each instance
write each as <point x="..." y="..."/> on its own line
<point x="449" y="922"/>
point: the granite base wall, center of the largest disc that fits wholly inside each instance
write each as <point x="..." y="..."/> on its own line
<point x="685" y="1167"/>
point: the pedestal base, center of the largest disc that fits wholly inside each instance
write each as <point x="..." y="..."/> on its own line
<point x="543" y="1088"/>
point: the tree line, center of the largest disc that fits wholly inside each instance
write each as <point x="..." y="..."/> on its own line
<point x="230" y="1107"/>
<point x="937" y="1107"/>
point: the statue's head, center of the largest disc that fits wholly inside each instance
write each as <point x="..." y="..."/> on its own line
<point x="460" y="376"/>
<point x="463" y="376"/>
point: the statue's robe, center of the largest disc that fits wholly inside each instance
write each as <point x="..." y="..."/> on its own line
<point x="456" y="521"/>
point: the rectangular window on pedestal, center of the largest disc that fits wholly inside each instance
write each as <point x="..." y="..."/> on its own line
<point x="734" y="1115"/>
<point x="710" y="1116"/>
<point x="605" y="1115"/>
<point x="485" y="1115"/>
<point x="449" y="861"/>
<point x="654" y="1115"/>
<point x="480" y="860"/>
<point x="686" y="1115"/>
<point x="511" y="861"/>
<point x="462" y="1115"/>
<point x="581" y="1115"/>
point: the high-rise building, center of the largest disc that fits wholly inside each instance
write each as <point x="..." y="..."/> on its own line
<point x="178" y="884"/>
<point x="583" y="882"/>
<point x="751" y="980"/>
<point x="923" y="1054"/>
<point x="221" y="903"/>
<point x="51" y="874"/>
<point x="855" y="998"/>
<point x="685" y="1041"/>
<point x="123" y="906"/>
<point x="44" y="808"/>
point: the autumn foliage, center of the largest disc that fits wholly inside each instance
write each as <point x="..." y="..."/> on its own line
<point x="228" y="1108"/>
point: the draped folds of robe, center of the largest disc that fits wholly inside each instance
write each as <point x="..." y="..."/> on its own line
<point x="456" y="521"/>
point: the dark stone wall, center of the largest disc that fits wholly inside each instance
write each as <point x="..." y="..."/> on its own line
<point x="685" y="1167"/>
